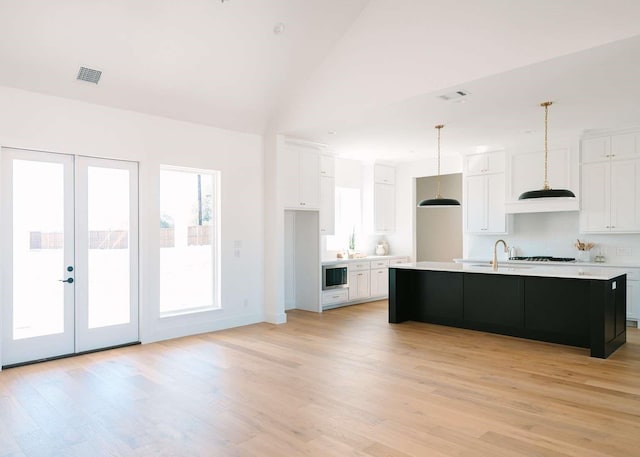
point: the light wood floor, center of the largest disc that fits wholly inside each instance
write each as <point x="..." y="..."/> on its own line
<point x="342" y="383"/>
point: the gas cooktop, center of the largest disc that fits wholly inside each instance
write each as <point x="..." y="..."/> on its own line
<point x="544" y="258"/>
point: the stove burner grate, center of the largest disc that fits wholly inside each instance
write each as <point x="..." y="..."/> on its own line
<point x="544" y="258"/>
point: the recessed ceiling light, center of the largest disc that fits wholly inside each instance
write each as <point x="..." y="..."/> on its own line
<point x="331" y="132"/>
<point x="278" y="28"/>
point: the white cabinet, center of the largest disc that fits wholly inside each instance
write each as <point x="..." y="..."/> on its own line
<point x="327" y="166"/>
<point x="384" y="215"/>
<point x="633" y="300"/>
<point x="335" y="297"/>
<point x="610" y="201"/>
<point x="327" y="205"/>
<point x="384" y="174"/>
<point x="368" y="280"/>
<point x="484" y="195"/>
<point x="379" y="198"/>
<point x="379" y="282"/>
<point x="327" y="195"/>
<point x="490" y="162"/>
<point x="622" y="146"/>
<point x="358" y="285"/>
<point x="300" y="172"/>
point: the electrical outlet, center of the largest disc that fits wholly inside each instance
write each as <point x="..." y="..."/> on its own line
<point x="624" y="252"/>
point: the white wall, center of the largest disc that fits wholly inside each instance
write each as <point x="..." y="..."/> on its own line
<point x="34" y="121"/>
<point x="553" y="234"/>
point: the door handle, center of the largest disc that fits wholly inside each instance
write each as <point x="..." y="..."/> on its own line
<point x="69" y="280"/>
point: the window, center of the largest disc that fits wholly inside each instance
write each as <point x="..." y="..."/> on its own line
<point x="348" y="219"/>
<point x="189" y="246"/>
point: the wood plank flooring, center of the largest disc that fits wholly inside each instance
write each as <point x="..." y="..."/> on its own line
<point x="341" y="383"/>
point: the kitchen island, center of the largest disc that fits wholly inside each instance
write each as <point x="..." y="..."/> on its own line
<point x="577" y="306"/>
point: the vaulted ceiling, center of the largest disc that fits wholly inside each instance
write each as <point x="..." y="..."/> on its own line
<point x="370" y="70"/>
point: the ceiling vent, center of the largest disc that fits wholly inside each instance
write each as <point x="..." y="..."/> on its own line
<point x="89" y="75"/>
<point x="454" y="95"/>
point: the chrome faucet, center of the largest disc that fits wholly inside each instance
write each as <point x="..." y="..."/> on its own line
<point x="494" y="262"/>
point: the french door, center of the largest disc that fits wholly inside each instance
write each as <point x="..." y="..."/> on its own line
<point x="70" y="253"/>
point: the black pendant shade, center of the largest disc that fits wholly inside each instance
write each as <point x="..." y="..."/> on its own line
<point x="438" y="201"/>
<point x="546" y="191"/>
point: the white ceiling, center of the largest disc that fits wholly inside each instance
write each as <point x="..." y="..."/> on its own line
<point x="369" y="70"/>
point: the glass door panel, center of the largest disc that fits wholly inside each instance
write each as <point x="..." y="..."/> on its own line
<point x="38" y="290"/>
<point x="109" y="270"/>
<point x="107" y="246"/>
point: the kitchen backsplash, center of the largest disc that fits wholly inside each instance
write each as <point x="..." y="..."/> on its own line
<point x="554" y="234"/>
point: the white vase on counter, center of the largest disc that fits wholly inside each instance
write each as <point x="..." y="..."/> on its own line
<point x="584" y="256"/>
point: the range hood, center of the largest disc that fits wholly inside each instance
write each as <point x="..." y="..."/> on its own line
<point x="542" y="205"/>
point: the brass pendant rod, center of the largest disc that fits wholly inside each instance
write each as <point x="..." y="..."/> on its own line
<point x="439" y="127"/>
<point x="546" y="146"/>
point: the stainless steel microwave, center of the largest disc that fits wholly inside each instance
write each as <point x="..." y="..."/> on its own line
<point x="334" y="276"/>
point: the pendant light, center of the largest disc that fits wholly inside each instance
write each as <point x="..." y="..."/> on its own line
<point x="438" y="201"/>
<point x="546" y="191"/>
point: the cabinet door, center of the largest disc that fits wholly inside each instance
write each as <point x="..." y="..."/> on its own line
<point x="384" y="174"/>
<point x="327" y="166"/>
<point x="289" y="177"/>
<point x="379" y="282"/>
<point x="595" y="195"/>
<point x="496" y="217"/>
<point x="596" y="149"/>
<point x="495" y="162"/>
<point x="327" y="205"/>
<point x="489" y="162"/>
<point x="625" y="196"/>
<point x="309" y="176"/>
<point x="633" y="300"/>
<point x="384" y="208"/>
<point x="476" y="164"/>
<point x="625" y="146"/>
<point x="475" y="203"/>
<point x="358" y="285"/>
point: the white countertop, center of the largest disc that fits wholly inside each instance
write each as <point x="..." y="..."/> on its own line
<point x="335" y="260"/>
<point x="550" y="271"/>
<point x="616" y="264"/>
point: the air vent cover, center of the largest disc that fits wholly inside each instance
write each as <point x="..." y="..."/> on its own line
<point x="89" y="75"/>
<point x="454" y="95"/>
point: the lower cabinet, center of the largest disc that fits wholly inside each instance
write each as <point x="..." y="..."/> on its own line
<point x="579" y="312"/>
<point x="335" y="297"/>
<point x="379" y="282"/>
<point x="368" y="280"/>
<point x="497" y="300"/>
<point x="359" y="285"/>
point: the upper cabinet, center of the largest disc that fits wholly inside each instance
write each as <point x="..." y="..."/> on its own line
<point x="489" y="162"/>
<point x="610" y="172"/>
<point x="484" y="194"/>
<point x="300" y="171"/>
<point x="379" y="198"/>
<point x="384" y="174"/>
<point x="327" y="195"/>
<point x="327" y="166"/>
<point x="624" y="146"/>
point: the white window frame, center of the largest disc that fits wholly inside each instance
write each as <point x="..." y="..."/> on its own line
<point x="215" y="242"/>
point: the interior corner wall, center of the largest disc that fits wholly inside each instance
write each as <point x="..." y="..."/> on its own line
<point x="439" y="230"/>
<point x="34" y="121"/>
<point x="274" y="233"/>
<point x="403" y="241"/>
